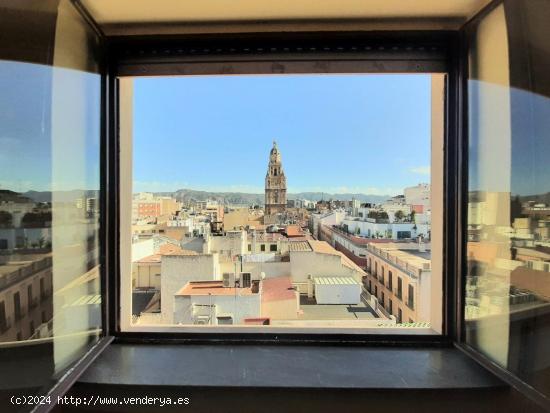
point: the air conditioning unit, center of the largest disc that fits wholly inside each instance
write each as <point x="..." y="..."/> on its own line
<point x="228" y="279"/>
<point x="202" y="320"/>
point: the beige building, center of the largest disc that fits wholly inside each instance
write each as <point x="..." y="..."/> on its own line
<point x="399" y="276"/>
<point x="310" y="259"/>
<point x="241" y="218"/>
<point x="146" y="271"/>
<point x="25" y="295"/>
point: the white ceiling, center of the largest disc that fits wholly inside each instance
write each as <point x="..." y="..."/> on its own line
<point x="125" y="12"/>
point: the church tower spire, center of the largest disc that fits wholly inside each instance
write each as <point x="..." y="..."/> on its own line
<point x="275" y="186"/>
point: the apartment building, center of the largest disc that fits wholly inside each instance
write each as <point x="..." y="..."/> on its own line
<point x="25" y="294"/>
<point x="399" y="276"/>
<point x="146" y="205"/>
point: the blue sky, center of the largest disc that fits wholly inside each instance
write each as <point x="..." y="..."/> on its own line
<point x="38" y="126"/>
<point x="337" y="133"/>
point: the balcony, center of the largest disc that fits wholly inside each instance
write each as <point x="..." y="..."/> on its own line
<point x="383" y="310"/>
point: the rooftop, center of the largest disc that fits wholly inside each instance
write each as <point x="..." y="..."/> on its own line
<point x="322" y="247"/>
<point x="294" y="231"/>
<point x="297" y="246"/>
<point x="408" y="259"/>
<point x="277" y="289"/>
<point x="165" y="249"/>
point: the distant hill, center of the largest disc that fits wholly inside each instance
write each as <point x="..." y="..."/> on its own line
<point x="62" y="196"/>
<point x="317" y="196"/>
<point x="249" y="199"/>
<point x="10" y="196"/>
<point x="539" y="198"/>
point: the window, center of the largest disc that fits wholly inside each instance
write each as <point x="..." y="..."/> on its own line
<point x="43" y="294"/>
<point x="17" y="306"/>
<point x="50" y="116"/>
<point x="506" y="285"/>
<point x="3" y="319"/>
<point x="399" y="288"/>
<point x="247" y="280"/>
<point x="399" y="316"/>
<point x="410" y="298"/>
<point x="265" y="199"/>
<point x="30" y="298"/>
<point x="390" y="307"/>
<point x="390" y="281"/>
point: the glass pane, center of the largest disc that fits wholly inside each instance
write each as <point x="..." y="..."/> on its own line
<point x="508" y="246"/>
<point x="282" y="202"/>
<point x="50" y="311"/>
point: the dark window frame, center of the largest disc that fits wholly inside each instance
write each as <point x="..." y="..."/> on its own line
<point x="455" y="198"/>
<point x="391" y="52"/>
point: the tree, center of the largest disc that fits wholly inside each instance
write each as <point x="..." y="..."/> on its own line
<point x="372" y="214"/>
<point x="6" y="219"/>
<point x="399" y="215"/>
<point x="36" y="219"/>
<point x="515" y="208"/>
<point x="378" y="214"/>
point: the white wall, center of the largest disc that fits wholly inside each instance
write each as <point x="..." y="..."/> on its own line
<point x="230" y="244"/>
<point x="237" y="306"/>
<point x="142" y="249"/>
<point x="178" y="270"/>
<point x="271" y="269"/>
<point x="338" y="294"/>
<point x="304" y="263"/>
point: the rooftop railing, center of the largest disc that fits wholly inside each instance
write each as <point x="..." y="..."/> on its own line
<point x="24" y="271"/>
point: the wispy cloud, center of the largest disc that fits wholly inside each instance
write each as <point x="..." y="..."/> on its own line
<point x="421" y="170"/>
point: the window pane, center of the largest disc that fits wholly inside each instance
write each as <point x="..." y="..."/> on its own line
<point x="50" y="310"/>
<point x="508" y="245"/>
<point x="293" y="183"/>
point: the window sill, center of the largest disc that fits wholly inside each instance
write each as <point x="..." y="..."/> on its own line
<point x="286" y="367"/>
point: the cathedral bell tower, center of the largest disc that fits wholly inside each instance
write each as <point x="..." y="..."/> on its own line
<point x="275" y="184"/>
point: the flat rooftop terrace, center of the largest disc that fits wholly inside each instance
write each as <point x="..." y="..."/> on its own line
<point x="310" y="310"/>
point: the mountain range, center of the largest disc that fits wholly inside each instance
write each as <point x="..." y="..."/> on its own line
<point x="258" y="199"/>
